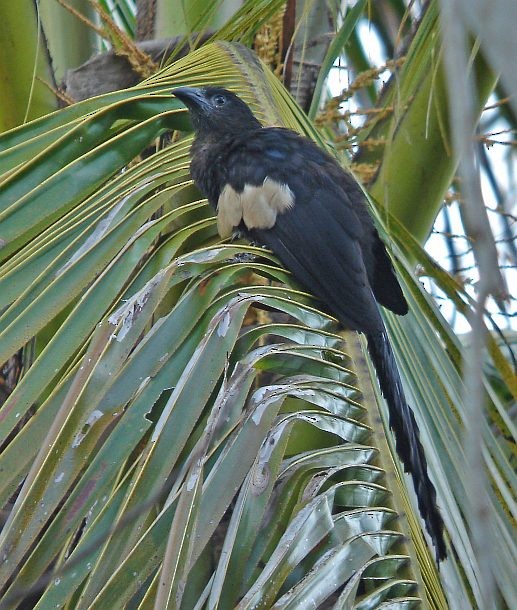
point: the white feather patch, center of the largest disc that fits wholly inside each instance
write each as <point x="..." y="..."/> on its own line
<point x="256" y="206"/>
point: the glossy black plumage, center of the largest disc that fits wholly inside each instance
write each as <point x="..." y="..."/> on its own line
<point x="313" y="216"/>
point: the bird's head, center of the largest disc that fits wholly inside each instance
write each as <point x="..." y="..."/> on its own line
<point x="216" y="110"/>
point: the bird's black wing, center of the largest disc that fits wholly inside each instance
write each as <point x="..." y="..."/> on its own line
<point x="381" y="275"/>
<point x="319" y="239"/>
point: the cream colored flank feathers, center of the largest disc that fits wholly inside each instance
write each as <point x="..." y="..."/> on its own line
<point x="257" y="206"/>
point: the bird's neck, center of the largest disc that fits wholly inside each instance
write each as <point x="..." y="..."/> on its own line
<point x="217" y="130"/>
<point x="208" y="144"/>
<point x="209" y="149"/>
<point x="205" y="153"/>
<point x="214" y="142"/>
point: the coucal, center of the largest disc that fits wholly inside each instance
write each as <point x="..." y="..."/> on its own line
<point x="282" y="191"/>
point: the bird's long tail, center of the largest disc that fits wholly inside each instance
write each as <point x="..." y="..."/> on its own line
<point x="407" y="440"/>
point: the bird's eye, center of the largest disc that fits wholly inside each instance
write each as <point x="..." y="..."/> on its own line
<point x="219" y="100"/>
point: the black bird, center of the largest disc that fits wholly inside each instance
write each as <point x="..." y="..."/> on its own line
<point x="282" y="191"/>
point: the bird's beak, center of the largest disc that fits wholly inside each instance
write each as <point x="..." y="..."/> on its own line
<point x="191" y="97"/>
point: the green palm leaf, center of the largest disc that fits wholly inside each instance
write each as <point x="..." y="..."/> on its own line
<point x="169" y="451"/>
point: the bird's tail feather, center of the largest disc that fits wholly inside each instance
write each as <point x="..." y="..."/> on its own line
<point x="407" y="440"/>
